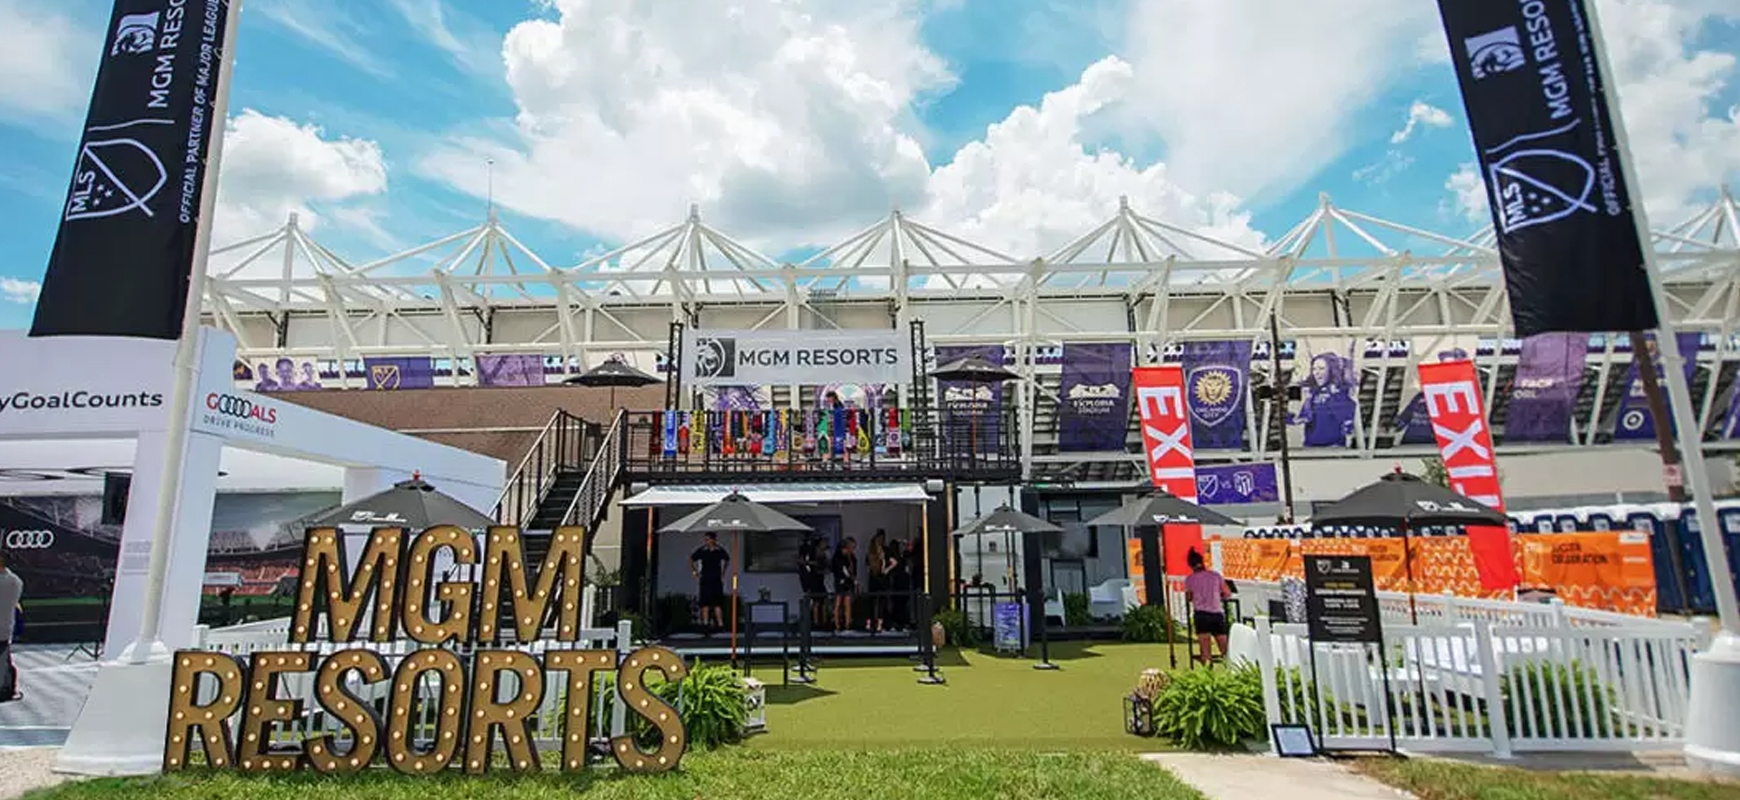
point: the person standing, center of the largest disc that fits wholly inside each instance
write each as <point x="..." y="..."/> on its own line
<point x="878" y="559"/>
<point x="813" y="577"/>
<point x="707" y="564"/>
<point x="845" y="569"/>
<point x="11" y="592"/>
<point x="1208" y="593"/>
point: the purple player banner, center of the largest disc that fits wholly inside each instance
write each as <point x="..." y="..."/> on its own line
<point x="1094" y="412"/>
<point x="1548" y="377"/>
<point x="415" y="372"/>
<point x="1731" y="428"/>
<point x="971" y="410"/>
<point x="1214" y="389"/>
<point x="281" y="375"/>
<point x="1634" y="420"/>
<point x="512" y="369"/>
<point x="1230" y="484"/>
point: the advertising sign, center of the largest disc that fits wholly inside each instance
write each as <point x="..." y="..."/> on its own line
<point x="1166" y="444"/>
<point x="84" y="385"/>
<point x="1232" y="484"/>
<point x="771" y="358"/>
<point x="1093" y="413"/>
<point x="1340" y="600"/>
<point x="1217" y="374"/>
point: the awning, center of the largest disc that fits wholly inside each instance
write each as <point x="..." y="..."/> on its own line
<point x="775" y="494"/>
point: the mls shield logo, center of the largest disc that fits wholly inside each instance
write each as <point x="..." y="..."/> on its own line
<point x="715" y="358"/>
<point x="1207" y="486"/>
<point x="1215" y="391"/>
<point x="114" y="176"/>
<point x="385" y="376"/>
<point x="1495" y="53"/>
<point x="1534" y="183"/>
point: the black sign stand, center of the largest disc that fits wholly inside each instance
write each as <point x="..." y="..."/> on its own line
<point x="1341" y="608"/>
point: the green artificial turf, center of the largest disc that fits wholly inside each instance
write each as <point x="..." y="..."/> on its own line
<point x="988" y="701"/>
<point x="734" y="774"/>
<point x="1432" y="779"/>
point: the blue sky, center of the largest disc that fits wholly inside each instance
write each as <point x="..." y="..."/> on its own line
<point x="1015" y="123"/>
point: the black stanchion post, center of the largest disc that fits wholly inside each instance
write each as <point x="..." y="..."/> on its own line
<point x="1044" y="644"/>
<point x="927" y="646"/>
<point x="806" y="670"/>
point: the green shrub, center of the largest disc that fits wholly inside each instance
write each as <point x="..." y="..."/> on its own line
<point x="960" y="631"/>
<point x="1209" y="708"/>
<point x="1560" y="700"/>
<point x="1075" y="609"/>
<point x="1146" y="624"/>
<point x="710" y="702"/>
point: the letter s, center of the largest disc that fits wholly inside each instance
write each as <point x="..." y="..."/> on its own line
<point x="631" y="687"/>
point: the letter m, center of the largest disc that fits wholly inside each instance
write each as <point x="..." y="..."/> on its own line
<point x="559" y="579"/>
<point x="325" y="586"/>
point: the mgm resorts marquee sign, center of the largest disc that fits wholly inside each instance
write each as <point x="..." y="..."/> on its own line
<point x="465" y="719"/>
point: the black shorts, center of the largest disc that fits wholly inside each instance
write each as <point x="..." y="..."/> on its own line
<point x="845" y="587"/>
<point x="1209" y="623"/>
<point x="813" y="584"/>
<point x="712" y="594"/>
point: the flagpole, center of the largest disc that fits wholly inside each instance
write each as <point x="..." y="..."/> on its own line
<point x="1712" y="732"/>
<point x="186" y="368"/>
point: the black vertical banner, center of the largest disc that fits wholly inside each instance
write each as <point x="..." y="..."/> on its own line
<point x="126" y="241"/>
<point x="1543" y="130"/>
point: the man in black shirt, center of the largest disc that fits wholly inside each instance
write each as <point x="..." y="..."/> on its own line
<point x="707" y="563"/>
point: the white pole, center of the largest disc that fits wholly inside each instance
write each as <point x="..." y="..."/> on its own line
<point x="186" y="367"/>
<point x="1689" y="431"/>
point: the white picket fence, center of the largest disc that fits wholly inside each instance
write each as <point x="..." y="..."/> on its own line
<point x="1400" y="608"/>
<point x="1475" y="684"/>
<point x="273" y="636"/>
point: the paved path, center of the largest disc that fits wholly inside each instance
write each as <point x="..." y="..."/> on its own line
<point x="27" y="769"/>
<point x="54" y="681"/>
<point x="1242" y="777"/>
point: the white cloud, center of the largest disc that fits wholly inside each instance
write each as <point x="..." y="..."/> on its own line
<point x="273" y="167"/>
<point x="1683" y="142"/>
<point x="1421" y="113"/>
<point x="1394" y="163"/>
<point x="472" y="45"/>
<point x="1257" y="97"/>
<point x="49" y="59"/>
<point x="20" y="291"/>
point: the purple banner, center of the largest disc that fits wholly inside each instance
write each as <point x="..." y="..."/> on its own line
<point x="1548" y="378"/>
<point x="1634" y="420"/>
<point x="1094" y="412"/>
<point x="739" y="398"/>
<point x="1231" y="484"/>
<point x="282" y="375"/>
<point x="1329" y="395"/>
<point x="1414" y="424"/>
<point x="413" y="372"/>
<point x="1214" y="390"/>
<point x="970" y="410"/>
<point x="514" y="369"/>
<point x="1731" y="429"/>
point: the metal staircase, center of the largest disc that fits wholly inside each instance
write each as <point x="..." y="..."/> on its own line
<point x="567" y="478"/>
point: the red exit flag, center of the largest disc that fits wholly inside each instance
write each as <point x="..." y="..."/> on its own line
<point x="1166" y="441"/>
<point x="1452" y="391"/>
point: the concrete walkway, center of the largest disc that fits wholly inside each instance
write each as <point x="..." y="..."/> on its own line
<point x="1241" y="777"/>
<point x="26" y="769"/>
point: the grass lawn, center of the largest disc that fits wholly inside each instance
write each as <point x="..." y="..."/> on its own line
<point x="734" y="774"/>
<point x="988" y="701"/>
<point x="1430" y="779"/>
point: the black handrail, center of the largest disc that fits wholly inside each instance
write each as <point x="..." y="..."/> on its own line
<point x="560" y="447"/>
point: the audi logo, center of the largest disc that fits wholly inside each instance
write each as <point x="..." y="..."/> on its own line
<point x="29" y="540"/>
<point x="242" y="408"/>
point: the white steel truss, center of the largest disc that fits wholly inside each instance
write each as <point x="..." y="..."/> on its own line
<point x="1337" y="273"/>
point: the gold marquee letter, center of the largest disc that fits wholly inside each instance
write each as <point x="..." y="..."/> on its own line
<point x="323" y="564"/>
<point x="513" y="717"/>
<point x="402" y="753"/>
<point x="560" y="574"/>
<point x="580" y="665"/>
<point x="351" y="712"/>
<point x="265" y="708"/>
<point x="631" y="687"/>
<point x="455" y="595"/>
<point x="208" y="722"/>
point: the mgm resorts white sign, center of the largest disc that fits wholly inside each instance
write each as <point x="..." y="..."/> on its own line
<point x="791" y="358"/>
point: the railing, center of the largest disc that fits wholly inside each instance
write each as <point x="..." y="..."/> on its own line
<point x="1400" y="608"/>
<point x="560" y="447"/>
<point x="1480" y="687"/>
<point x="593" y="496"/>
<point x="815" y="442"/>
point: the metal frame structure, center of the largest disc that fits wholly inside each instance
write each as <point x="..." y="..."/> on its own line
<point x="1337" y="273"/>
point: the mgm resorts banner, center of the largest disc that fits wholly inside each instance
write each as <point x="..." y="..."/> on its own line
<point x="1545" y="136"/>
<point x="714" y="358"/>
<point x="126" y="242"/>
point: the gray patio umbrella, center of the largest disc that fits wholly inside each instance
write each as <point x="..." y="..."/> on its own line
<point x="1161" y="508"/>
<point x="412" y="504"/>
<point x="973" y="369"/>
<point x="611" y="374"/>
<point x="1006" y="520"/>
<point x="1405" y="502"/>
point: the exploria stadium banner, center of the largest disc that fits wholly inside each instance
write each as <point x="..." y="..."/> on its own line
<point x="970" y="410"/>
<point x="795" y="358"/>
<point x="1544" y="135"/>
<point x="400" y="373"/>
<point x="1094" y="412"/>
<point x="1548" y="377"/>
<point x="510" y="369"/>
<point x="1215" y="376"/>
<point x="125" y="247"/>
<point x="1634" y="420"/>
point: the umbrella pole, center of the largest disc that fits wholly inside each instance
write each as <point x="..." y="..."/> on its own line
<point x="1408" y="564"/>
<point x="736" y="569"/>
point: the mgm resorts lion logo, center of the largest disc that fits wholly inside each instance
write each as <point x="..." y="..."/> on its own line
<point x="715" y="358"/>
<point x="135" y="34"/>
